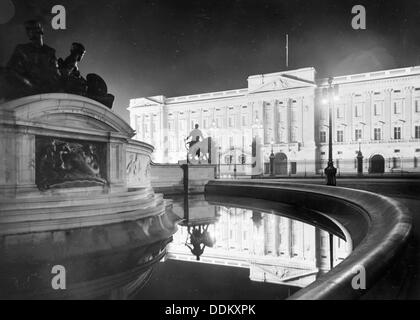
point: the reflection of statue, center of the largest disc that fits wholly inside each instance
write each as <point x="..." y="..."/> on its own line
<point x="32" y="69"/>
<point x="199" y="239"/>
<point x="73" y="82"/>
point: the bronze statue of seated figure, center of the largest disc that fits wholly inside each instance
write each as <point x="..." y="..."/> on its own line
<point x="72" y="81"/>
<point x="32" y="69"/>
<point x="93" y="86"/>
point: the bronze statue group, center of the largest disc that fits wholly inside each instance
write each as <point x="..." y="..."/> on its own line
<point x="35" y="69"/>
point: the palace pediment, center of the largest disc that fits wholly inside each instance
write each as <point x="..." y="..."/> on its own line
<point x="282" y="80"/>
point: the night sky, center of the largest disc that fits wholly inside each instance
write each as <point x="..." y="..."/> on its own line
<point x="153" y="47"/>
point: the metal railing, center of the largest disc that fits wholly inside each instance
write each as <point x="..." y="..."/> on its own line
<point x="379" y="166"/>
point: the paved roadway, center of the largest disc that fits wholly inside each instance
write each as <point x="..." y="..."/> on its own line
<point x="403" y="280"/>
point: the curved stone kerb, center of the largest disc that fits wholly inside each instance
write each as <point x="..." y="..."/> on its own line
<point x="40" y="107"/>
<point x="388" y="223"/>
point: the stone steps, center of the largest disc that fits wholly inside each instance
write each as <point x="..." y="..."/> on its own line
<point x="78" y="220"/>
<point x="62" y="202"/>
<point x="64" y="212"/>
<point x="46" y="213"/>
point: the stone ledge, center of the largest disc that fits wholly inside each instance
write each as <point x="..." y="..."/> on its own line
<point x="379" y="228"/>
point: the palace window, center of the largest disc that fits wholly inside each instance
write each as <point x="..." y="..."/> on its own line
<point x="340" y="136"/>
<point x="417" y="106"/>
<point x="377" y="134"/>
<point x="396" y="162"/>
<point x="397" y="133"/>
<point x="340" y="112"/>
<point x="293" y="135"/>
<point x="294" y="114"/>
<point x="377" y="109"/>
<point x="358" y="110"/>
<point x="228" y="159"/>
<point x="323" y="137"/>
<point x="324" y="114"/>
<point x="230" y="122"/>
<point x="397" y="107"/>
<point x="244" y="123"/>
<point x="417" y="132"/>
<point x="358" y="134"/>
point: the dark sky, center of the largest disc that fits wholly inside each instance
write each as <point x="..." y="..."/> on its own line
<point x="177" y="47"/>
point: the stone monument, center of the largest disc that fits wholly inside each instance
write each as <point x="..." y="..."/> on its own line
<point x="66" y="160"/>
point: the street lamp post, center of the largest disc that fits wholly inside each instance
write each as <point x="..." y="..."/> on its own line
<point x="272" y="160"/>
<point x="220" y="156"/>
<point x="330" y="170"/>
<point x="233" y="149"/>
<point x="359" y="161"/>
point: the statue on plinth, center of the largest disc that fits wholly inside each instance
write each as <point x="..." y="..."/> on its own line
<point x="32" y="69"/>
<point x="93" y="87"/>
<point x="199" y="148"/>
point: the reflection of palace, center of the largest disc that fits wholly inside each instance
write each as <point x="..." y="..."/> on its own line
<point x="379" y="109"/>
<point x="274" y="248"/>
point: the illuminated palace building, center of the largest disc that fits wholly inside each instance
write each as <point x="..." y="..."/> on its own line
<point x="287" y="114"/>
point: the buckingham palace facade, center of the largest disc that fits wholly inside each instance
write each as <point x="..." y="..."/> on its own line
<point x="377" y="113"/>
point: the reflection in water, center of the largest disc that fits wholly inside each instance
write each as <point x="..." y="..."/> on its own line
<point x="107" y="262"/>
<point x="274" y="248"/>
<point x="117" y="261"/>
<point x="198" y="239"/>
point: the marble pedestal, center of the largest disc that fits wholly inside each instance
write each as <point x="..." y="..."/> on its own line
<point x="67" y="161"/>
